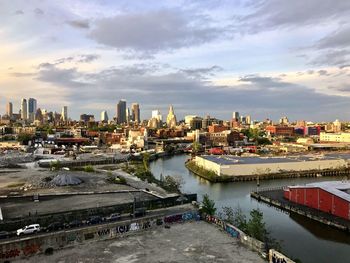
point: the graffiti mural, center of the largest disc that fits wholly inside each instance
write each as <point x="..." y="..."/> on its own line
<point x="71" y="237"/>
<point x="122" y="229"/>
<point x="31" y="249"/>
<point x="103" y="232"/>
<point x="173" y="218"/>
<point x="228" y="228"/>
<point x="12" y="253"/>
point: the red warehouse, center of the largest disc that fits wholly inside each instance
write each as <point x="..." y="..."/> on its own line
<point x="330" y="197"/>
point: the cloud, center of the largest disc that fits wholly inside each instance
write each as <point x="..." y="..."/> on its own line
<point x="38" y="11"/>
<point x="336" y="57"/>
<point x="202" y="72"/>
<point x="260" y="96"/>
<point x="87" y="58"/>
<point x="323" y="72"/>
<point x="154" y="31"/>
<point x="19" y="12"/>
<point x="22" y="74"/>
<point x="338" y="39"/>
<point x="271" y="14"/>
<point x="80" y="24"/>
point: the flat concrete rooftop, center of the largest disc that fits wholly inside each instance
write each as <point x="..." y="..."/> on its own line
<point x="237" y="160"/>
<point x="187" y="242"/>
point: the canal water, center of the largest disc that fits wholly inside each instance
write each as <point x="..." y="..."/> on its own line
<point x="300" y="237"/>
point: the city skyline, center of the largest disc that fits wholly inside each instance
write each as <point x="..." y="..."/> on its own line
<point x="259" y="57"/>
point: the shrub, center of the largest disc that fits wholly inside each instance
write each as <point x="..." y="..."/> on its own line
<point x="89" y="169"/>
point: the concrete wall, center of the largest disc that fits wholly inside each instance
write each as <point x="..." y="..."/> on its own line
<point x="42" y="243"/>
<point x="252" y="243"/>
<point x="270" y="168"/>
<point x="274" y="256"/>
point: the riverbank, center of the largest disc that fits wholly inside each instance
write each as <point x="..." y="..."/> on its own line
<point x="275" y="198"/>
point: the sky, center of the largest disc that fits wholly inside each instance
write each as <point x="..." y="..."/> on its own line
<point x="264" y="58"/>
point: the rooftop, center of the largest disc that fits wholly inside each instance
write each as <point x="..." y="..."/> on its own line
<point x="236" y="160"/>
<point x="337" y="188"/>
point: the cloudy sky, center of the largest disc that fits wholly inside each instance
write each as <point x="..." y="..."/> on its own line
<point x="266" y="58"/>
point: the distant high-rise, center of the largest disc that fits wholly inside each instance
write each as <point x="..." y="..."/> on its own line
<point x="104" y="116"/>
<point x="24" y="115"/>
<point x="135" y="112"/>
<point x="248" y="119"/>
<point x="156" y="114"/>
<point x="9" y="109"/>
<point x="235" y="115"/>
<point x="121" y="112"/>
<point x="32" y="107"/>
<point x="64" y="113"/>
<point x="171" y="118"/>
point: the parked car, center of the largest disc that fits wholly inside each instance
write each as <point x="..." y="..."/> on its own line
<point x="31" y="229"/>
<point x="94" y="220"/>
<point x="4" y="234"/>
<point x="55" y="226"/>
<point x="139" y="212"/>
<point x="113" y="217"/>
<point x="75" y="223"/>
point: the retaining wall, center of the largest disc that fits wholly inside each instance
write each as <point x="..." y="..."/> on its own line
<point x="47" y="243"/>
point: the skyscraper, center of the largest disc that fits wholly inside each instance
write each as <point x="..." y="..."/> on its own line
<point x="64" y="114"/>
<point x="9" y="109"/>
<point x="121" y="112"/>
<point x="235" y="115"/>
<point x="104" y="116"/>
<point x="24" y="114"/>
<point x="171" y="118"/>
<point x="135" y="112"/>
<point x="156" y="114"/>
<point x="32" y="107"/>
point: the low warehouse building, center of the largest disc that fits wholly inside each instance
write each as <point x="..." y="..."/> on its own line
<point x="229" y="165"/>
<point x="331" y="197"/>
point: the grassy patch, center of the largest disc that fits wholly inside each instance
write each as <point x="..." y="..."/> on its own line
<point x="14" y="185"/>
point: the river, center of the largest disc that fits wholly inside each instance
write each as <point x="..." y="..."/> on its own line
<point x="300" y="238"/>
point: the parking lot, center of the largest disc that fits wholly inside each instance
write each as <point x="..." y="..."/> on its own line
<point x="187" y="242"/>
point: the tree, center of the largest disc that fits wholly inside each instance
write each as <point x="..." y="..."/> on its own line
<point x="24" y="138"/>
<point x="235" y="217"/>
<point x="208" y="205"/>
<point x="196" y="147"/>
<point x="145" y="160"/>
<point x="256" y="226"/>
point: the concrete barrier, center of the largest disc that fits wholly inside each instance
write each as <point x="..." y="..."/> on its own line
<point x="275" y="256"/>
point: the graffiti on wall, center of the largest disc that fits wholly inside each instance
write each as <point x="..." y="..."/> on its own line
<point x="31" y="249"/>
<point x="103" y="232"/>
<point x="12" y="253"/>
<point x="228" y="228"/>
<point x="27" y="250"/>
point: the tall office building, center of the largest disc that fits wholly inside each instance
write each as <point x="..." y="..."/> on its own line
<point x="135" y="112"/>
<point x="248" y="119"/>
<point x="24" y="115"/>
<point x="235" y="115"/>
<point x="9" y="109"/>
<point x="64" y="113"/>
<point x="171" y="118"/>
<point x="32" y="107"/>
<point x="121" y="112"/>
<point x="104" y="116"/>
<point x="156" y="114"/>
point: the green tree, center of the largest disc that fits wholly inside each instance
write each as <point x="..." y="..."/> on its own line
<point x="145" y="160"/>
<point x="208" y="205"/>
<point x="24" y="138"/>
<point x="235" y="217"/>
<point x="196" y="146"/>
<point x="256" y="226"/>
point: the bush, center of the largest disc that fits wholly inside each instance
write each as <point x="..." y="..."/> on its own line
<point x="89" y="169"/>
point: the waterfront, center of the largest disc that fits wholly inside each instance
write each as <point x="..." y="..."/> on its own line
<point x="301" y="238"/>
